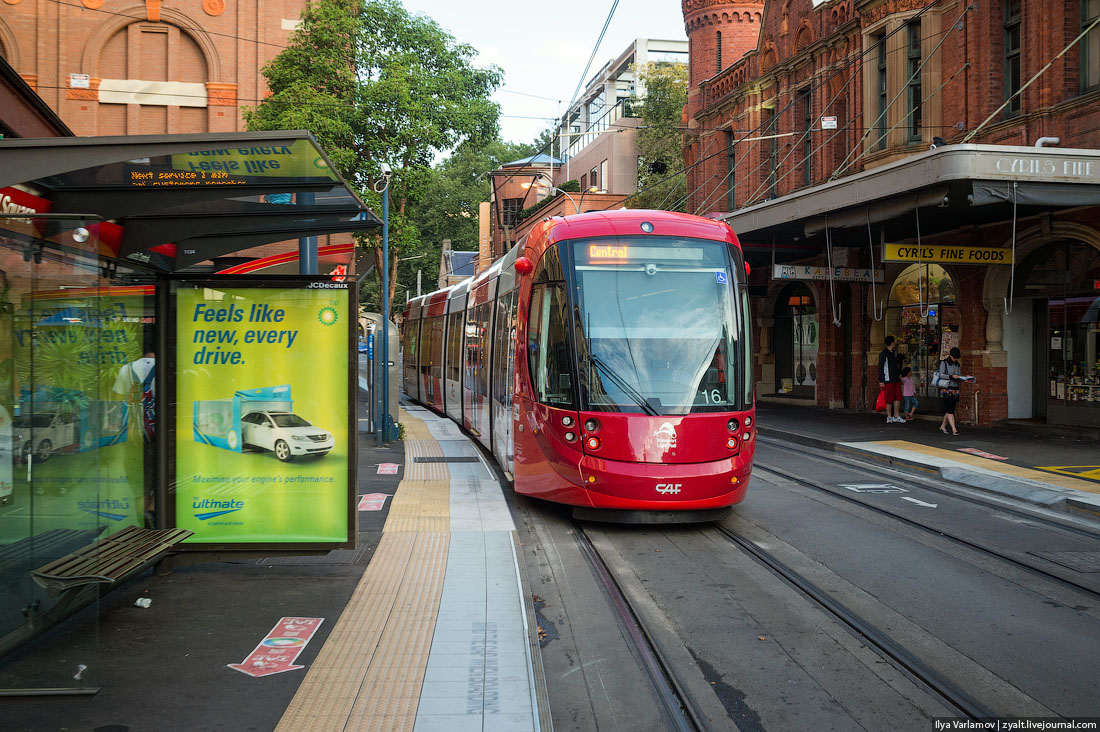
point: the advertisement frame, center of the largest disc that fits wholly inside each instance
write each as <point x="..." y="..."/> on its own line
<point x="170" y="414"/>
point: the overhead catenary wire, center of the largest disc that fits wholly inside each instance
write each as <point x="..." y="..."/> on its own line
<point x="1030" y="81"/>
<point x="827" y="79"/>
<point x="844" y="164"/>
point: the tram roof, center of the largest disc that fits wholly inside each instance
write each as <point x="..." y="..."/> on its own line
<point x="184" y="199"/>
<point x="951" y="186"/>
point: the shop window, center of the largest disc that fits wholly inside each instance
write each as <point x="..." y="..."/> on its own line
<point x="922" y="315"/>
<point x="1066" y="275"/>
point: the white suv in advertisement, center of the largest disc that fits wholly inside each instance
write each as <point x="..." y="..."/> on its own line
<point x="284" y="433"/>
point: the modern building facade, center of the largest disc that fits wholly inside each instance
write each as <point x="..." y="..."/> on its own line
<point x="878" y="160"/>
<point x="596" y="134"/>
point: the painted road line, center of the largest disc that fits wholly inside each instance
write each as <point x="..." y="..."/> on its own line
<point x="919" y="503"/>
<point x="276" y="652"/>
<point x="1090" y="472"/>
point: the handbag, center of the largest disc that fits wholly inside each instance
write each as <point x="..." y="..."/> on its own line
<point x="880" y="403"/>
<point x="941" y="379"/>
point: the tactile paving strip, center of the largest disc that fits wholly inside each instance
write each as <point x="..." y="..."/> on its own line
<point x="369" y="673"/>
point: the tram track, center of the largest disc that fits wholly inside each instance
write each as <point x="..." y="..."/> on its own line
<point x="1014" y="561"/>
<point x="884" y="645"/>
<point x="670" y="690"/>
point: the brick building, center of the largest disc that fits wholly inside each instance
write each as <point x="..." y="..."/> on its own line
<point x="131" y="68"/>
<point x="835" y="135"/>
<point x="159" y="67"/>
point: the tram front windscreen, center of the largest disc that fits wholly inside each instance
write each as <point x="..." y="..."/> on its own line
<point x="656" y="325"/>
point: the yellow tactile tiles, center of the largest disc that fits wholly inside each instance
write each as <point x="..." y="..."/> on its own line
<point x="369" y="674"/>
<point x="1062" y="481"/>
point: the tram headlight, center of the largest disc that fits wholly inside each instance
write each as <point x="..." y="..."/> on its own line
<point x="591" y="425"/>
<point x="747" y="436"/>
<point x="731" y="443"/>
<point x="748" y="420"/>
<point x="570" y="437"/>
<point x="732" y="425"/>
<point x="567" y="421"/>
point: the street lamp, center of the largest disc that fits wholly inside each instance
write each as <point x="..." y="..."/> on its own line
<point x="592" y="189"/>
<point x="547" y="186"/>
<point x="384" y="422"/>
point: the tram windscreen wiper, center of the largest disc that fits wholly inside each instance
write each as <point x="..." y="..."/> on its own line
<point x="624" y="385"/>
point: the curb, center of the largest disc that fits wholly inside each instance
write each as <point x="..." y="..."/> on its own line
<point x="1022" y="489"/>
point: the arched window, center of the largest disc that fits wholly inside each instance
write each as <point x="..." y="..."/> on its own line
<point x="923" y="317"/>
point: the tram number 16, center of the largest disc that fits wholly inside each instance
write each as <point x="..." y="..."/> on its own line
<point x="714" y="396"/>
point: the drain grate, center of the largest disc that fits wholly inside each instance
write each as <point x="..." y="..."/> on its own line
<point x="456" y="459"/>
<point x="1077" y="561"/>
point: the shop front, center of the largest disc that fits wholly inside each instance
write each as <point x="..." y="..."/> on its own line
<point x="993" y="249"/>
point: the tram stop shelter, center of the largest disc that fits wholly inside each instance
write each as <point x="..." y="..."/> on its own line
<point x="97" y="237"/>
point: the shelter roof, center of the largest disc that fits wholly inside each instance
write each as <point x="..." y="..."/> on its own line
<point x="182" y="199"/>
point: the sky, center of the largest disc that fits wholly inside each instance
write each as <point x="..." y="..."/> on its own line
<point x="543" y="48"/>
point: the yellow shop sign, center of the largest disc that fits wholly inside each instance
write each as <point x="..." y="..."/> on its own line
<point x="945" y="253"/>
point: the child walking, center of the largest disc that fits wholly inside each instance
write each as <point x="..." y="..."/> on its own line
<point x="908" y="393"/>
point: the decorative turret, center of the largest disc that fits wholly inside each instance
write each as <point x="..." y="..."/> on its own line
<point x="719" y="33"/>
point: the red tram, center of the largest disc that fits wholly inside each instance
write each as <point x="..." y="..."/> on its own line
<point x="605" y="361"/>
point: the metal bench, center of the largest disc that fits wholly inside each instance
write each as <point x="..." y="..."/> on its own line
<point x="19" y="557"/>
<point x="108" y="560"/>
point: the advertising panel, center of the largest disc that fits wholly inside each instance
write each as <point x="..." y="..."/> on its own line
<point x="262" y="412"/>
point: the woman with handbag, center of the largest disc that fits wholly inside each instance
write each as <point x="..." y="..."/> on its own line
<point x="947" y="377"/>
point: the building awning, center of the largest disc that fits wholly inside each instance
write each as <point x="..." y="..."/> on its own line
<point x="182" y="199"/>
<point x="950" y="187"/>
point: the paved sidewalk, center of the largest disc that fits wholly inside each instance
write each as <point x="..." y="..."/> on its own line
<point x="1054" y="469"/>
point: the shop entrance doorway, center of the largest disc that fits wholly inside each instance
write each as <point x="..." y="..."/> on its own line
<point x="795" y="341"/>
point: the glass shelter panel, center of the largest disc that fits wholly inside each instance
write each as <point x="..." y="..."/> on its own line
<point x="73" y="454"/>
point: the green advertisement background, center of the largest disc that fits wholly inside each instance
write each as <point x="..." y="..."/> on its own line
<point x="306" y="499"/>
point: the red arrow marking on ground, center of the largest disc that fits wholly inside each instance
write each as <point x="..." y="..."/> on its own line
<point x="276" y="652"/>
<point x="372" y="501"/>
<point x="387" y="468"/>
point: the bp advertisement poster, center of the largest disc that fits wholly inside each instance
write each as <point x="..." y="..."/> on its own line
<point x="262" y="413"/>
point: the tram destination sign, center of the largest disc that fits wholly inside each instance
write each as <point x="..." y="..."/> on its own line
<point x="840" y="274"/>
<point x="945" y="253"/>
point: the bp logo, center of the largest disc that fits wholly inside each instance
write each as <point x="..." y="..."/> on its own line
<point x="328" y="316"/>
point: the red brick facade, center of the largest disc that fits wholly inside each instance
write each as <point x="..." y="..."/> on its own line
<point x="202" y="58"/>
<point x="215" y="48"/>
<point x="785" y="64"/>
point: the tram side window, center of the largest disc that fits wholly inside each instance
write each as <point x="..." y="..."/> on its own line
<point x="437" y="347"/>
<point x="425" y="345"/>
<point x="454" y="346"/>
<point x="412" y="332"/>
<point x="503" y="335"/>
<point x="481" y="324"/>
<point x="548" y="359"/>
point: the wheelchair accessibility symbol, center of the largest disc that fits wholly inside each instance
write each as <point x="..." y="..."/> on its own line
<point x="722" y="277"/>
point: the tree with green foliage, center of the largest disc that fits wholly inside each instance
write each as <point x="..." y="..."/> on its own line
<point x="449" y="208"/>
<point x="661" y="182"/>
<point x="377" y="84"/>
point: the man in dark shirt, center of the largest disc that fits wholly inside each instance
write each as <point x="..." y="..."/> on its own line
<point x="889" y="380"/>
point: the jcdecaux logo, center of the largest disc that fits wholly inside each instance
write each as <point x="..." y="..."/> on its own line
<point x="219" y="508"/>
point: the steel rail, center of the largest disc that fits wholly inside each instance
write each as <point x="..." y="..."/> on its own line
<point x="1058" y="579"/>
<point x="886" y="646"/>
<point x="674" y="698"/>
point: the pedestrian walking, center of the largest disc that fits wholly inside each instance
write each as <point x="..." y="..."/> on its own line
<point x="947" y="378"/>
<point x="889" y="380"/>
